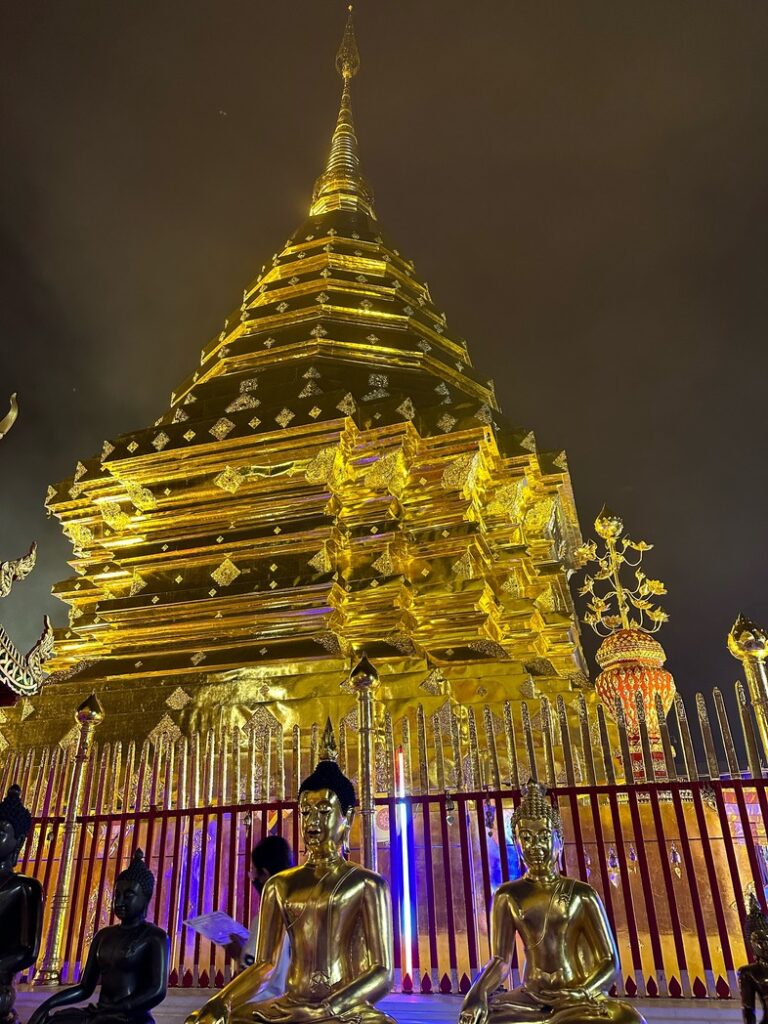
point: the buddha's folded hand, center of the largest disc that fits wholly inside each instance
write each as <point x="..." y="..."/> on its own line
<point x="566" y="996"/>
<point x="296" y="1014"/>
<point x="215" y="1011"/>
<point x="474" y="1011"/>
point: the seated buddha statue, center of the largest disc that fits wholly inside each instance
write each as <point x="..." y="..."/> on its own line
<point x="337" y="917"/>
<point x="753" y="979"/>
<point x="570" y="953"/>
<point x="21" y="903"/>
<point x="130" y="960"/>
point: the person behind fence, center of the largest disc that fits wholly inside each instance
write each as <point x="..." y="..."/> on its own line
<point x="337" y="916"/>
<point x="269" y="857"/>
<point x="21" y="903"/>
<point x="753" y="979"/>
<point x="129" y="959"/>
<point x="570" y="953"/>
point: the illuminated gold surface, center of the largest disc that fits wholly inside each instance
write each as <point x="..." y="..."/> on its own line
<point x="571" y="958"/>
<point x="337" y="917"/>
<point x="334" y="476"/>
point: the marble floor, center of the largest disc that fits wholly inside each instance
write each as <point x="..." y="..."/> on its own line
<point x="432" y="1009"/>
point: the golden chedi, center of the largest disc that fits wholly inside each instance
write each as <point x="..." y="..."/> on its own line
<point x="571" y="959"/>
<point x="336" y="915"/>
<point x="334" y="475"/>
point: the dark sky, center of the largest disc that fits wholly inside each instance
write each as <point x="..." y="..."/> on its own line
<point x="582" y="184"/>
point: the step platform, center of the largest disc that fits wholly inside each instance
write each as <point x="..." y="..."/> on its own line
<point x="431" y="1009"/>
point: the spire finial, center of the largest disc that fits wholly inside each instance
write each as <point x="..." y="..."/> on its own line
<point x="348" y="55"/>
<point x="342" y="186"/>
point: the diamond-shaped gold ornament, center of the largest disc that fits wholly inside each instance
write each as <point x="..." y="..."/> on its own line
<point x="225" y="573"/>
<point x="178" y="699"/>
<point x="229" y="479"/>
<point x="347" y="405"/>
<point x="221" y="428"/>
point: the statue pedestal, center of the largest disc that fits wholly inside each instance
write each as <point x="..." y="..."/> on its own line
<point x="432" y="1009"/>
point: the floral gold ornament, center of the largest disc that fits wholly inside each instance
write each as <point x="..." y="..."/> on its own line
<point x="626" y="616"/>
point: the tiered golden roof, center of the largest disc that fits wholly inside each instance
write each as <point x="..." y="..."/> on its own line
<point x="334" y="475"/>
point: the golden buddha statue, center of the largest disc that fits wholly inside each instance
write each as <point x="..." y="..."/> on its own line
<point x="570" y="953"/>
<point x="336" y="916"/>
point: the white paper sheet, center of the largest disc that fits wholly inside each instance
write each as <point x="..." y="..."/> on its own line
<point x="218" y="927"/>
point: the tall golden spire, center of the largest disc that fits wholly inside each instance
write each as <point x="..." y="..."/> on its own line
<point x="342" y="186"/>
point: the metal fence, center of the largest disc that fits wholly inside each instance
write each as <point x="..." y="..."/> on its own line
<point x="671" y="841"/>
<point x="670" y="860"/>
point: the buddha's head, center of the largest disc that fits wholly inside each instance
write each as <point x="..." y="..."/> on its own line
<point x="15" y="825"/>
<point x="133" y="891"/>
<point x="326" y="802"/>
<point x="538" y="829"/>
<point x="757" y="929"/>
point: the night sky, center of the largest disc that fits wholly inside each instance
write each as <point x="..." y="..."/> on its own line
<point x="584" y="186"/>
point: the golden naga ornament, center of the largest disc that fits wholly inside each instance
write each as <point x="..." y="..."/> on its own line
<point x="336" y="915"/>
<point x="630" y="658"/>
<point x="571" y="958"/>
<point x="10" y="417"/>
<point x="22" y="673"/>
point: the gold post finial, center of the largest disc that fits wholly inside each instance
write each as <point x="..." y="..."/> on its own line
<point x="328" y="749"/>
<point x="342" y="186"/>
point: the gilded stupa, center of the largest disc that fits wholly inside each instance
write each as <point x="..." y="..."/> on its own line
<point x="334" y="476"/>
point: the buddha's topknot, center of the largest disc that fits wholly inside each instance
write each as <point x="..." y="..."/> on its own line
<point x="328" y="775"/>
<point x="536" y="805"/>
<point x="138" y="872"/>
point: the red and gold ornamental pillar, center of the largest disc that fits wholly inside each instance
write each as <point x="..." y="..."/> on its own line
<point x="622" y="609"/>
<point x="632" y="662"/>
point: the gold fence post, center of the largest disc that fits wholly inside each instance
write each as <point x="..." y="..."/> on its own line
<point x="88" y="716"/>
<point x="749" y="644"/>
<point x="364" y="678"/>
<point x="727" y="736"/>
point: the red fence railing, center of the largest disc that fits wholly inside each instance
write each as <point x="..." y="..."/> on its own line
<point x="671" y="860"/>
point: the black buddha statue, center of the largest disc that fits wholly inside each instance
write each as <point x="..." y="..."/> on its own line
<point x="753" y="979"/>
<point x="130" y="960"/>
<point x="21" y="903"/>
